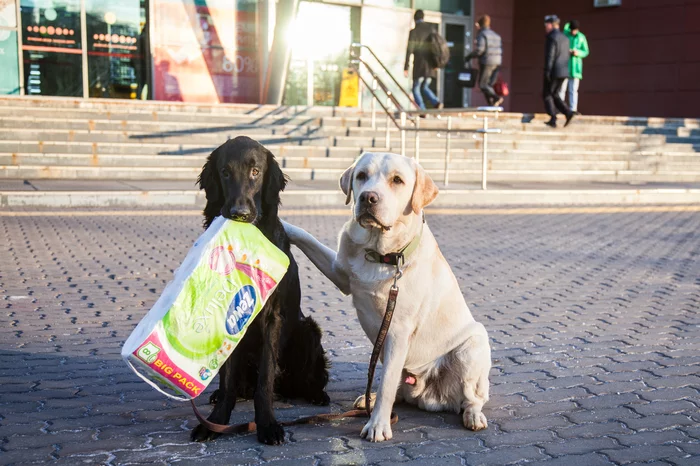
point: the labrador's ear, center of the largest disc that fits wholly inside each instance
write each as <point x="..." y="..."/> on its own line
<point x="274" y="183"/>
<point x="424" y="191"/>
<point x="209" y="181"/>
<point x="209" y="178"/>
<point x="346" y="182"/>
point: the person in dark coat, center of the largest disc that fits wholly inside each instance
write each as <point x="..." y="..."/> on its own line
<point x="489" y="51"/>
<point x="556" y="70"/>
<point x="423" y="72"/>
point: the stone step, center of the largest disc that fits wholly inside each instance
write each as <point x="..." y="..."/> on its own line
<point x="170" y="129"/>
<point x="157" y="150"/>
<point x="193" y="124"/>
<point x="64" y="104"/>
<point x="111" y="105"/>
<point x="166" y="131"/>
<point x="308" y="135"/>
<point x="472" y="161"/>
<point x="12" y="117"/>
<point x="301" y="174"/>
<point x="289" y="146"/>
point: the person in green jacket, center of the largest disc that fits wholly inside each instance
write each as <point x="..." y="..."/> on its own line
<point x="579" y="51"/>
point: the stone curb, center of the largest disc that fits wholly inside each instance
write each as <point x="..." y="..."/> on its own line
<point x="328" y="198"/>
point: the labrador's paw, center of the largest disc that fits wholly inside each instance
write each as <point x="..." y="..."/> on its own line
<point x="360" y="402"/>
<point x="474" y="419"/>
<point x="377" y="430"/>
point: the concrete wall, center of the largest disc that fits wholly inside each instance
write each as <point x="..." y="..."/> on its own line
<point x="644" y="61"/>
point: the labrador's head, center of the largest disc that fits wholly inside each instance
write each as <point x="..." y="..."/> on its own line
<point x="242" y="181"/>
<point x="387" y="188"/>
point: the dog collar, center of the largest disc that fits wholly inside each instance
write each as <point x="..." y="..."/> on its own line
<point x="396" y="258"/>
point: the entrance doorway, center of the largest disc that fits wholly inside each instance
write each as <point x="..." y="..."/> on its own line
<point x="320" y="39"/>
<point x="457" y="33"/>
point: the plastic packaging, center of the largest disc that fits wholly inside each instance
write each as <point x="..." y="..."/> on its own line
<point x="202" y="315"/>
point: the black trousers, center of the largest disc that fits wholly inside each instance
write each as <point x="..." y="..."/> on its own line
<point x="488" y="74"/>
<point x="552" y="101"/>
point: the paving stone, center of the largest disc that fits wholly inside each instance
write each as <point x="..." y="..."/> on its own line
<point x="665" y="407"/>
<point x="651" y="438"/>
<point x="645" y="452"/>
<point x="504" y="456"/>
<point x="660" y="421"/>
<point x="388" y="454"/>
<point x="442" y="448"/>
<point x="533" y="423"/>
<point x="593" y="430"/>
<point x="603" y="415"/>
<point x="589" y="459"/>
<point x="446" y="461"/>
<point x="593" y="320"/>
<point x="578" y="446"/>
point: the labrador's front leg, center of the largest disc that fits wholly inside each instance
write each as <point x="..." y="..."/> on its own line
<point x="378" y="428"/>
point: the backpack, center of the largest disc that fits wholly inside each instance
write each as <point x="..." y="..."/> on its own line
<point x="438" y="52"/>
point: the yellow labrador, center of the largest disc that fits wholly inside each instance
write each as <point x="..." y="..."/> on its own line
<point x="436" y="355"/>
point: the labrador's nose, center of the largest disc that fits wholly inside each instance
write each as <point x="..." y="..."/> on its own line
<point x="369" y="198"/>
<point x="241" y="214"/>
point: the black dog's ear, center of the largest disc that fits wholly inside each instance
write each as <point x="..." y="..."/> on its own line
<point x="273" y="184"/>
<point x="209" y="181"/>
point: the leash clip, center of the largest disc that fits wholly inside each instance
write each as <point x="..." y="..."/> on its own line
<point x="397" y="275"/>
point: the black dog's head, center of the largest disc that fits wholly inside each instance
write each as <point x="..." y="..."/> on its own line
<point x="242" y="181"/>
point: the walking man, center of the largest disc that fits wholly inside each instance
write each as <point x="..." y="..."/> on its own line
<point x="556" y="71"/>
<point x="579" y="51"/>
<point x="489" y="51"/>
<point x="423" y="72"/>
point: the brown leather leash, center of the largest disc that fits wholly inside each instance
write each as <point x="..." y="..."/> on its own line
<point x="247" y="427"/>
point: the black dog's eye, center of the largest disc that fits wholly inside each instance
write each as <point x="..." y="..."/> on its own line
<point x="398" y="180"/>
<point x="255" y="172"/>
<point x="225" y="174"/>
<point x="361" y="176"/>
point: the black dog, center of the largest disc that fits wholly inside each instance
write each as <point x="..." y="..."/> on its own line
<point x="281" y="351"/>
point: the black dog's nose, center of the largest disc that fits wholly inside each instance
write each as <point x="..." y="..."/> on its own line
<point x="241" y="214"/>
<point x="369" y="197"/>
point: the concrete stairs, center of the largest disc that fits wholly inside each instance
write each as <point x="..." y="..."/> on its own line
<point x="60" y="139"/>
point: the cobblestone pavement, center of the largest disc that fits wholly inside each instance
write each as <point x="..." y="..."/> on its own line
<point x="594" y="320"/>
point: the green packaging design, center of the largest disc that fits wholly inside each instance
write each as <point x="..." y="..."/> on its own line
<point x="203" y="314"/>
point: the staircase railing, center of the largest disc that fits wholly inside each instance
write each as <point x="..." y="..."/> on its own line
<point x="408" y="119"/>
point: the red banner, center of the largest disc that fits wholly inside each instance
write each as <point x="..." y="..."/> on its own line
<point x="205" y="53"/>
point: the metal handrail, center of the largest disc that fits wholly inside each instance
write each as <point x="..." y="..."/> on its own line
<point x="357" y="45"/>
<point x="381" y="84"/>
<point x="403" y="115"/>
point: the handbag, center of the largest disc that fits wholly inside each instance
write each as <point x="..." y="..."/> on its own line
<point x="467" y="78"/>
<point x="501" y="88"/>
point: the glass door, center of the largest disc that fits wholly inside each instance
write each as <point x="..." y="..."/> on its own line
<point x="456" y="30"/>
<point x="52" y="47"/>
<point x="320" y="36"/>
<point x="9" y="77"/>
<point x="117" y="48"/>
<point x="455" y="35"/>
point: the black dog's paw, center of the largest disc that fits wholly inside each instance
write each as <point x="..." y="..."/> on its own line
<point x="320" y="399"/>
<point x="271" y="435"/>
<point x="214" y="398"/>
<point x="202" y="434"/>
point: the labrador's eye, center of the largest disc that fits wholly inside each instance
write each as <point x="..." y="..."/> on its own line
<point x="225" y="174"/>
<point x="398" y="180"/>
<point x="361" y="176"/>
<point x="255" y="172"/>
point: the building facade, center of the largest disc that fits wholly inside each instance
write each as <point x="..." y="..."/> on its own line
<point x="214" y="51"/>
<point x="644" y="57"/>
